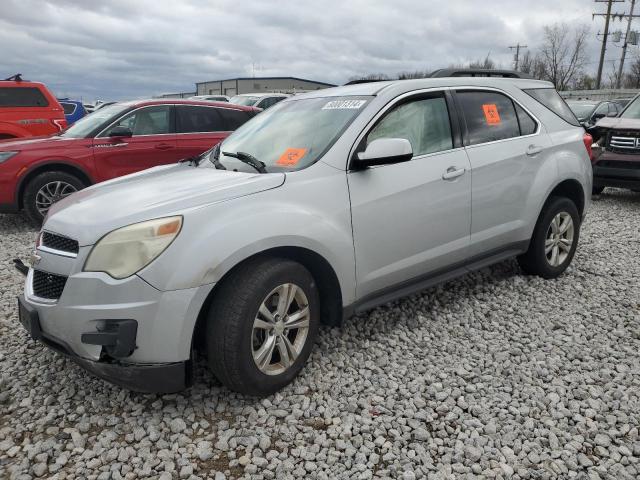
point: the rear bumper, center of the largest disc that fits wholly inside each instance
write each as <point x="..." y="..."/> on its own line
<point x="147" y="378"/>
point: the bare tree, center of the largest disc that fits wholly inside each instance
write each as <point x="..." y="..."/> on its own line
<point x="532" y="64"/>
<point x="370" y="76"/>
<point x="416" y="74"/>
<point x="487" y="63"/>
<point x="563" y="53"/>
<point x="632" y="79"/>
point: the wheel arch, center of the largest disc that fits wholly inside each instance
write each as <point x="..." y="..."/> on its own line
<point x="50" y="166"/>
<point x="321" y="270"/>
<point x="571" y="189"/>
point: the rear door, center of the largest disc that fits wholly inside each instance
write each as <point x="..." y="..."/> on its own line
<point x="198" y="128"/>
<point x="507" y="147"/>
<point x="153" y="143"/>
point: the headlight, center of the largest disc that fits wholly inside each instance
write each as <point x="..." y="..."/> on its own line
<point x="6" y="155"/>
<point x="128" y="250"/>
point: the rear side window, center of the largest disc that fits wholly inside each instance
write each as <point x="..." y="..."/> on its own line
<point x="234" y="118"/>
<point x="198" y="119"/>
<point x="554" y="102"/>
<point x="69" y="108"/>
<point x="22" y="97"/>
<point x="490" y="116"/>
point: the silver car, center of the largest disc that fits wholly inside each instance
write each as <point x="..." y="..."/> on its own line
<point x="327" y="204"/>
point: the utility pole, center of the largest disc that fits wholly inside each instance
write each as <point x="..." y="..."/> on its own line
<point x="604" y="37"/>
<point x="517" y="48"/>
<point x="624" y="47"/>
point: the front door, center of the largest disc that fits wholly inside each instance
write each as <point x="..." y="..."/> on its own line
<point x="153" y="143"/>
<point x="413" y="218"/>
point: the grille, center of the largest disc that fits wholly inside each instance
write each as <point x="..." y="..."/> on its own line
<point x="48" y="285"/>
<point x="58" y="242"/>
<point x="624" y="144"/>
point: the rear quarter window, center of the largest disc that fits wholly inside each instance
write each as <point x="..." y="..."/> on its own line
<point x="69" y="108"/>
<point x="234" y="118"/>
<point x="551" y="99"/>
<point x="22" y="97"/>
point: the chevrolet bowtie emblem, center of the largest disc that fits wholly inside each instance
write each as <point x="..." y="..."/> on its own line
<point x="35" y="259"/>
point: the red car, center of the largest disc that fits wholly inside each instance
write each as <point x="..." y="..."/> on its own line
<point x="116" y="140"/>
<point x="28" y="109"/>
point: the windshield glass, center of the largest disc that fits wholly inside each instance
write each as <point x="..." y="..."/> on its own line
<point x="242" y="100"/>
<point x="88" y="124"/>
<point x="582" y="110"/>
<point x="292" y="134"/>
<point x="632" y="110"/>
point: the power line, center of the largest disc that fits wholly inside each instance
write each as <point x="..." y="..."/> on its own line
<point x="605" y="36"/>
<point x="630" y="18"/>
<point x="517" y="48"/>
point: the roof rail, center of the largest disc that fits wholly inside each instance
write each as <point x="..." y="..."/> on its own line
<point x="362" y="80"/>
<point x="15" y="78"/>
<point x="478" y="72"/>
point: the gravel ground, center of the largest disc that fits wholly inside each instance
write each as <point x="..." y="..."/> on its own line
<point x="494" y="375"/>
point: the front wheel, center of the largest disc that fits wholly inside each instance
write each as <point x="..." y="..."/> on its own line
<point x="554" y="239"/>
<point x="46" y="189"/>
<point x="262" y="325"/>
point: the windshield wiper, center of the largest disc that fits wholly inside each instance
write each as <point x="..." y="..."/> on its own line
<point x="248" y="159"/>
<point x="214" y="158"/>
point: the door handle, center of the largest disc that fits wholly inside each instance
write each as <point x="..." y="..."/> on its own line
<point x="453" y="172"/>
<point x="533" y="150"/>
<point x="164" y="146"/>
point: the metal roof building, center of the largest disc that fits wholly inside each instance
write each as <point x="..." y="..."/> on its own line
<point x="235" y="86"/>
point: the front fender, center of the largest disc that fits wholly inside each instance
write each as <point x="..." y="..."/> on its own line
<point x="214" y="239"/>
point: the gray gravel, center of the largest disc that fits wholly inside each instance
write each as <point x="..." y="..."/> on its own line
<point x="494" y="375"/>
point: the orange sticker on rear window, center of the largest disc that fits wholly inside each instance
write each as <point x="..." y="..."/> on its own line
<point x="491" y="114"/>
<point x="291" y="157"/>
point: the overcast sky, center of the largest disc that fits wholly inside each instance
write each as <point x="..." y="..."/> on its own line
<point x="118" y="49"/>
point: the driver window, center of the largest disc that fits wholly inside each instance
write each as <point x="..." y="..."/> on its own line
<point x="424" y="122"/>
<point x="147" y="121"/>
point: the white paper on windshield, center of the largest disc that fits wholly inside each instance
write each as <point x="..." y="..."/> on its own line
<point x="344" y="105"/>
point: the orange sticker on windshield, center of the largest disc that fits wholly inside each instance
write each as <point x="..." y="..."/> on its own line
<point x="491" y="114"/>
<point x="291" y="157"/>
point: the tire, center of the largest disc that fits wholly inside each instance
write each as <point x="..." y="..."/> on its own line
<point x="232" y="341"/>
<point x="597" y="190"/>
<point x="45" y="184"/>
<point x="537" y="261"/>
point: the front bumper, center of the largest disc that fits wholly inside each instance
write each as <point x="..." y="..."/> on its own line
<point x="617" y="170"/>
<point x="85" y="322"/>
<point x="151" y="378"/>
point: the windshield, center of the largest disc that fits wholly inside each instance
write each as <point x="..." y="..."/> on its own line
<point x="244" y="100"/>
<point x="632" y="110"/>
<point x="582" y="110"/>
<point x="292" y="134"/>
<point x="91" y="122"/>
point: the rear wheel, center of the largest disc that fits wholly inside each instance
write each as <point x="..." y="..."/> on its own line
<point x="554" y="239"/>
<point x="46" y="189"/>
<point x="262" y="325"/>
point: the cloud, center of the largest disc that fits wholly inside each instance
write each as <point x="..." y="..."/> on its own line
<point x="118" y="49"/>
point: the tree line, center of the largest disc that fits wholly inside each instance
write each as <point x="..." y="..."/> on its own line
<point x="561" y="59"/>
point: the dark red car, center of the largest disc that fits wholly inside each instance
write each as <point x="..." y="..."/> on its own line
<point x="116" y="140"/>
<point x="28" y="109"/>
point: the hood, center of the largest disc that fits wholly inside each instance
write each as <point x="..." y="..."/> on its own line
<point x="32" y="143"/>
<point x="158" y="192"/>
<point x="619" y="123"/>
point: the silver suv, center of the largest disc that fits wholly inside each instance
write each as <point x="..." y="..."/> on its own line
<point x="327" y="204"/>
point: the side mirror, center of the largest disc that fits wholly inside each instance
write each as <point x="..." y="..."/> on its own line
<point x="597" y="116"/>
<point x="385" y="150"/>
<point x="121" y="132"/>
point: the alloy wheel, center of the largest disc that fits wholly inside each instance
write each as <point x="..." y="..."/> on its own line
<point x="51" y="193"/>
<point x="559" y="239"/>
<point x="280" y="329"/>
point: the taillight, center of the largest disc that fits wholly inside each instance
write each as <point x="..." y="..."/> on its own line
<point x="60" y="123"/>
<point x="588" y="141"/>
